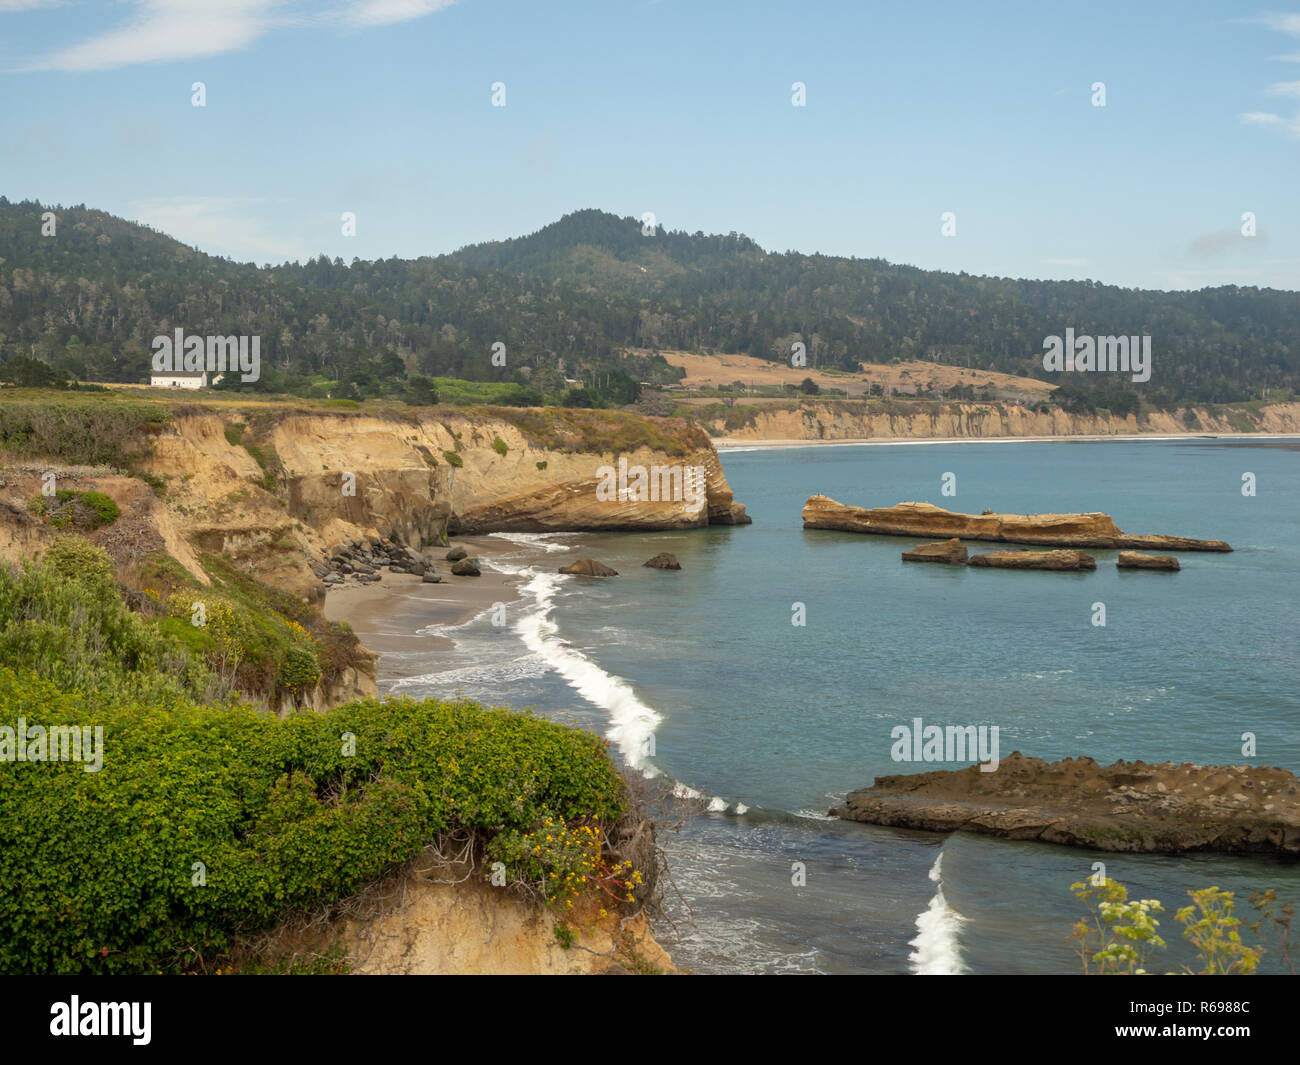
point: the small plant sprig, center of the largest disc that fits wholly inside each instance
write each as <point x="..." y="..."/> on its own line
<point x="566" y="862"/>
<point x="1121" y="932"/>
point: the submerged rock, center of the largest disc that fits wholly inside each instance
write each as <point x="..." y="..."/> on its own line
<point x="589" y="567"/>
<point x="1137" y="560"/>
<point x="1049" y="560"/>
<point x="949" y="551"/>
<point x="663" y="560"/>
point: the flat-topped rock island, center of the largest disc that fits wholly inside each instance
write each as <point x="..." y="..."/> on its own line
<point x="1127" y="806"/>
<point x="1052" y="530"/>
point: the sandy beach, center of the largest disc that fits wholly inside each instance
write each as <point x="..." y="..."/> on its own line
<point x="733" y="443"/>
<point x="387" y="615"/>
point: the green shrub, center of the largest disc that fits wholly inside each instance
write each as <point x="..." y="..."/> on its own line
<point x="76" y="558"/>
<point x="499" y="446"/>
<point x="98" y="870"/>
<point x="453" y="459"/>
<point x="63" y="618"/>
<point x="90" y="430"/>
<point x="265" y="456"/>
<point x="75" y="510"/>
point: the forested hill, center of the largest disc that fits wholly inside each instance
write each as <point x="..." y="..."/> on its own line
<point x="579" y="291"/>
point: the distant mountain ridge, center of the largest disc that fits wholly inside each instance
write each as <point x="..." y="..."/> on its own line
<point x="581" y="290"/>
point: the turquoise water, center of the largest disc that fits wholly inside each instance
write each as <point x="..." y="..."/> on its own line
<point x="780" y="721"/>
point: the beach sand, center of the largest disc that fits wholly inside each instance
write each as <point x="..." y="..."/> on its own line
<point x="388" y="614"/>
<point x="735" y="443"/>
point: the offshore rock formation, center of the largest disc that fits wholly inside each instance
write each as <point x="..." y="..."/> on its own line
<point x="1049" y="560"/>
<point x="1137" y="560"/>
<point x="663" y="560"/>
<point x="951" y="552"/>
<point x="1050" y="530"/>
<point x="1127" y="806"/>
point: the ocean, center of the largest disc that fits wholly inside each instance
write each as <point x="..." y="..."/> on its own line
<point x="701" y="677"/>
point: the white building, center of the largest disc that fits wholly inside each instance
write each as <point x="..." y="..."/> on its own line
<point x="182" y="379"/>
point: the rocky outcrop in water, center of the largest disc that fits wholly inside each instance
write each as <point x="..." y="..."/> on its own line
<point x="1137" y="560"/>
<point x="1048" y="560"/>
<point x="1128" y="806"/>
<point x="1094" y="530"/>
<point x="663" y="561"/>
<point x="588" y="567"/>
<point x="952" y="552"/>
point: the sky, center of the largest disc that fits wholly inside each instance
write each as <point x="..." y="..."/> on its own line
<point x="389" y="110"/>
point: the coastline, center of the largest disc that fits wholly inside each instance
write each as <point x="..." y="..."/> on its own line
<point x="735" y="443"/>
<point x="389" y="615"/>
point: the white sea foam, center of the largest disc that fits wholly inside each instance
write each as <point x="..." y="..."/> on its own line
<point x="546" y="541"/>
<point x="937" y="950"/>
<point x="814" y="815"/>
<point x="525" y="667"/>
<point x="632" y="722"/>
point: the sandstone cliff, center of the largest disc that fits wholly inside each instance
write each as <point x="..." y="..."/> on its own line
<point x="432" y="919"/>
<point x="274" y="490"/>
<point x="904" y="420"/>
<point x="1127" y="806"/>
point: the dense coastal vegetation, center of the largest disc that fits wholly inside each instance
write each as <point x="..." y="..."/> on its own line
<point x="238" y="792"/>
<point x="211" y="819"/>
<point x="570" y="301"/>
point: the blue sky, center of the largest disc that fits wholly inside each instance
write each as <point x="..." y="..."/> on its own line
<point x="683" y="108"/>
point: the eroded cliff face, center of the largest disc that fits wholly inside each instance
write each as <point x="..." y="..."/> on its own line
<point x="832" y="421"/>
<point x="275" y="491"/>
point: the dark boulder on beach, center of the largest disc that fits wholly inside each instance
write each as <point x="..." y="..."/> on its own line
<point x="589" y="567"/>
<point x="430" y="578"/>
<point x="456" y="554"/>
<point x="663" y="560"/>
<point x="465" y="567"/>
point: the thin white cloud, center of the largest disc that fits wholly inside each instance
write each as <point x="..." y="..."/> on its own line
<point x="387" y="12"/>
<point x="168" y="30"/>
<point x="163" y="31"/>
<point x="1290" y="25"/>
<point x="237" y="227"/>
<point x="1064" y="262"/>
<point x="1283" y="23"/>
<point x="27" y="5"/>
